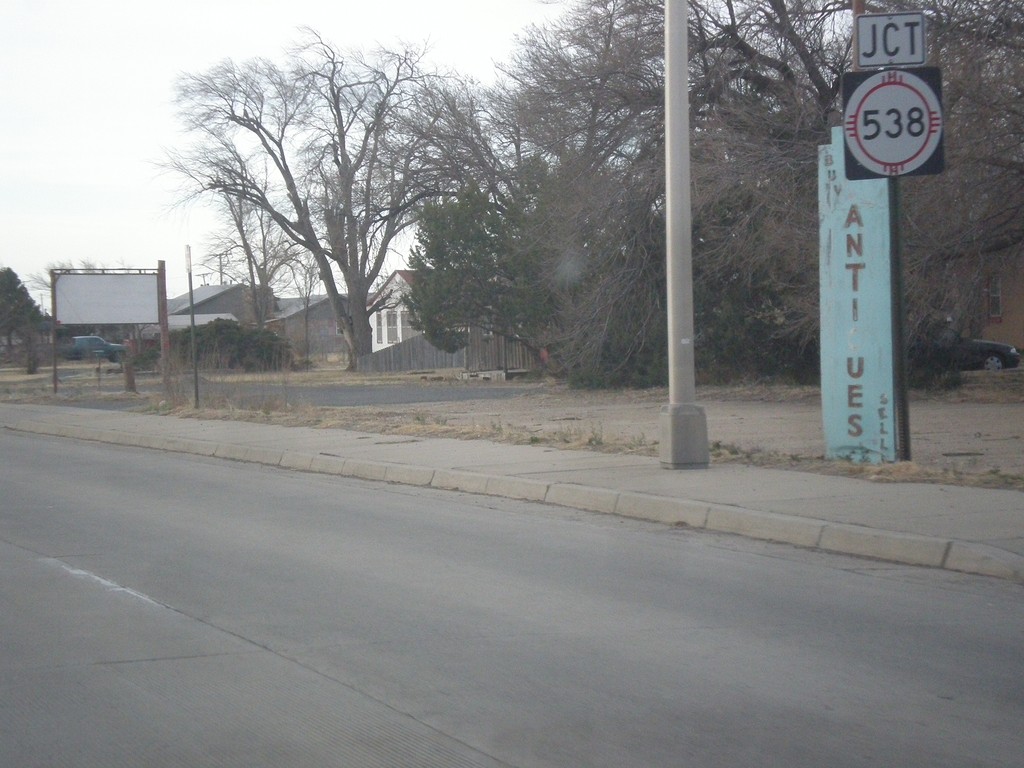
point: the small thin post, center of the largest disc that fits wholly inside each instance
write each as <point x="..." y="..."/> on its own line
<point x="192" y="326"/>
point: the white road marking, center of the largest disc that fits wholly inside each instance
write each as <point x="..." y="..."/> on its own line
<point x="110" y="585"/>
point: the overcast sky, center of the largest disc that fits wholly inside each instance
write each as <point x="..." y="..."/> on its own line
<point x="86" y="114"/>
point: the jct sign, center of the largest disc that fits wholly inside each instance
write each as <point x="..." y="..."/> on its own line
<point x="893" y="123"/>
<point x="890" y="40"/>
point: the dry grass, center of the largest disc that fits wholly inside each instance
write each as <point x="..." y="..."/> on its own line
<point x="547" y="414"/>
<point x="901" y="472"/>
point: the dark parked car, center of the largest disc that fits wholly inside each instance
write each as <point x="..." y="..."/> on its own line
<point x="92" y="348"/>
<point x="981" y="355"/>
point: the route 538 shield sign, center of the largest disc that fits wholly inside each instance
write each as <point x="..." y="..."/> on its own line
<point x="892" y="121"/>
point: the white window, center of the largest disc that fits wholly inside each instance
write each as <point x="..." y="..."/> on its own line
<point x="380" y="328"/>
<point x="392" y="327"/>
<point x="995" y="297"/>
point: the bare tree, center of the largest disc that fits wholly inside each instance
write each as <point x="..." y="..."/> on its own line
<point x="766" y="79"/>
<point x="588" y="92"/>
<point x="324" y="147"/>
<point x="253" y="252"/>
<point x="341" y="151"/>
<point x="304" y="278"/>
<point x="968" y="222"/>
<point x="766" y="76"/>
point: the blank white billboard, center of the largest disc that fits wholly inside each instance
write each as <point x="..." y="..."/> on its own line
<point x="106" y="299"/>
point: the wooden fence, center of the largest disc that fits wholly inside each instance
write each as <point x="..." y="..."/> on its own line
<point x="484" y="352"/>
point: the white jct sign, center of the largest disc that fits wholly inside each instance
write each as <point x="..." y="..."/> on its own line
<point x="890" y="40"/>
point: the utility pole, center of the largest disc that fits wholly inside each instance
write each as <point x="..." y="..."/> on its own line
<point x="192" y="327"/>
<point x="684" y="430"/>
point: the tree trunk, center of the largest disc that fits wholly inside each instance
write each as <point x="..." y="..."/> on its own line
<point x="361" y="327"/>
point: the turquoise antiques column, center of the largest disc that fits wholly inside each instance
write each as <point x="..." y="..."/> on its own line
<point x="857" y="385"/>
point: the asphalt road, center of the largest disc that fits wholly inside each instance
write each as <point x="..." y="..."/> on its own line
<point x="167" y="610"/>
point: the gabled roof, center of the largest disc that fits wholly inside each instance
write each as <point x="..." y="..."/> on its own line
<point x="202" y="294"/>
<point x="177" y="322"/>
<point x="393" y="283"/>
<point x="293" y="305"/>
<point x="409" y="275"/>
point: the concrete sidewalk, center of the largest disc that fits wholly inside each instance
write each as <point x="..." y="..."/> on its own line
<point x="970" y="530"/>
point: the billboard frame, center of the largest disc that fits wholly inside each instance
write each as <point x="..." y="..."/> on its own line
<point x="127" y="314"/>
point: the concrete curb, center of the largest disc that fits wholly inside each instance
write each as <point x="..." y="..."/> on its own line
<point x="890" y="546"/>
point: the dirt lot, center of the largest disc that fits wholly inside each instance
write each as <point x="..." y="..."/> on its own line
<point x="972" y="435"/>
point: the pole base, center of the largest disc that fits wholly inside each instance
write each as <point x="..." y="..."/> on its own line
<point x="684" y="437"/>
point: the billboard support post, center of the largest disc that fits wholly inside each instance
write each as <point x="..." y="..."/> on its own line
<point x="53" y="325"/>
<point x="165" y="332"/>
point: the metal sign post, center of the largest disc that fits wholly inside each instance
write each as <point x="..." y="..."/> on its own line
<point x="901" y="386"/>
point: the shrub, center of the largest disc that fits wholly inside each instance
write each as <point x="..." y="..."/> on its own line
<point x="147" y="359"/>
<point x="225" y="344"/>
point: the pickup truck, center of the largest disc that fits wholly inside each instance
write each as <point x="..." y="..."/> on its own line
<point x="92" y="348"/>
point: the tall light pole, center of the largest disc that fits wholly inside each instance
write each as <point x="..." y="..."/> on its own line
<point x="684" y="429"/>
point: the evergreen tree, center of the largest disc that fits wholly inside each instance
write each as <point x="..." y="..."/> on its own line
<point x="476" y="265"/>
<point x="19" y="317"/>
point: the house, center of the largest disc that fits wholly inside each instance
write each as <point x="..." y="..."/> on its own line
<point x="397" y="346"/>
<point x="213" y="302"/>
<point x="390" y="319"/>
<point x="310" y="326"/>
<point x="1003" y="305"/>
<point x="178" y="322"/>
